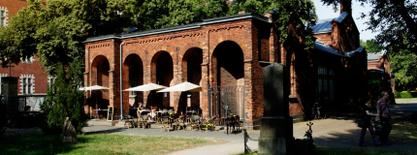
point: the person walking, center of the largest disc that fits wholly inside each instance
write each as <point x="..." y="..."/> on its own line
<point x="365" y="124"/>
<point x="384" y="117"/>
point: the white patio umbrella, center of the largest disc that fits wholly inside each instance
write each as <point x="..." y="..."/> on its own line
<point x="146" y="87"/>
<point x="94" y="87"/>
<point x="181" y="87"/>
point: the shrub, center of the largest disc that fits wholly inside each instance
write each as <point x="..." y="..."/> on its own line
<point x="404" y="94"/>
<point x="64" y="99"/>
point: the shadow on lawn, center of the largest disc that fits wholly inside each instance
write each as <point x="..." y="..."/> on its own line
<point x="34" y="142"/>
<point x="403" y="139"/>
<point x="105" y="131"/>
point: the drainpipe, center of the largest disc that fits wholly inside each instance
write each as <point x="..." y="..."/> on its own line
<point x="121" y="80"/>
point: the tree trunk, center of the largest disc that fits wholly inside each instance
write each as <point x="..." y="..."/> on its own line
<point x="403" y="12"/>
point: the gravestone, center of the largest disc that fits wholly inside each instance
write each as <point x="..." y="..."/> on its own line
<point x="276" y="125"/>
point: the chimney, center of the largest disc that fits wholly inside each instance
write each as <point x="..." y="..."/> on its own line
<point x="346" y="6"/>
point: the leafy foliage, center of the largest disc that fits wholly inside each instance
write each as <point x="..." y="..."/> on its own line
<point x="371" y="46"/>
<point x="64" y="99"/>
<point x="395" y="20"/>
<point x="284" y="12"/>
<point x="54" y="31"/>
<point x="405" y="69"/>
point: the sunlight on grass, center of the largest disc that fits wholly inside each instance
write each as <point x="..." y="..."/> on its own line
<point x="403" y="130"/>
<point x="102" y="144"/>
<point x="118" y="144"/>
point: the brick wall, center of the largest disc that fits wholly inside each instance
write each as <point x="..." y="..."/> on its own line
<point x="206" y="38"/>
<point x="35" y="68"/>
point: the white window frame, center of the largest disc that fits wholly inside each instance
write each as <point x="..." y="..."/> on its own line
<point x="4" y="16"/>
<point x="27" y="60"/>
<point x="27" y="84"/>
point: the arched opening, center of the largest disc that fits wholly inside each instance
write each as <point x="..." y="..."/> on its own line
<point x="99" y="99"/>
<point x="133" y="67"/>
<point x="162" y="73"/>
<point x="228" y="71"/>
<point x="191" y="72"/>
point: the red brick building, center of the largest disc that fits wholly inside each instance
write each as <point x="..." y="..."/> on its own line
<point x="225" y="57"/>
<point x="340" y="62"/>
<point x="222" y="55"/>
<point x="32" y="77"/>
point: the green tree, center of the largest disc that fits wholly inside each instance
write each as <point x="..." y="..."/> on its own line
<point x="55" y="30"/>
<point x="394" y="20"/>
<point x="64" y="99"/>
<point x="285" y="15"/>
<point x="404" y="65"/>
<point x="371" y="46"/>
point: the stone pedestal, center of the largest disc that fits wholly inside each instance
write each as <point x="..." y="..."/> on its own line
<point x="276" y="124"/>
<point x="276" y="134"/>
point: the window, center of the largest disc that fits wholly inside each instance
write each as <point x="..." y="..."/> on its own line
<point x="326" y="82"/>
<point x="1" y="83"/>
<point x="27" y="84"/>
<point x="27" y="59"/>
<point x="3" y="16"/>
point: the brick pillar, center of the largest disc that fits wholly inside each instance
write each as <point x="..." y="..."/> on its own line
<point x="248" y="92"/>
<point x="175" y="96"/>
<point x="146" y="79"/>
<point x="204" y="96"/>
<point x="253" y="91"/>
<point x="112" y="91"/>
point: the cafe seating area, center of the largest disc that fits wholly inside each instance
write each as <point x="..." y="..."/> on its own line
<point x="190" y="120"/>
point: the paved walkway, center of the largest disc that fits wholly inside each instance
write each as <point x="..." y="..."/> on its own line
<point x="326" y="132"/>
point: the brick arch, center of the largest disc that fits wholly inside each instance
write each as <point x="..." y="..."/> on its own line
<point x="100" y="71"/>
<point x="191" y="72"/>
<point x="162" y="72"/>
<point x="133" y="76"/>
<point x="227" y="67"/>
<point x="100" y="68"/>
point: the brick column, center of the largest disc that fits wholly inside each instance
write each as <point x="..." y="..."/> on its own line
<point x="204" y="96"/>
<point x="112" y="95"/>
<point x="175" y="96"/>
<point x="253" y="91"/>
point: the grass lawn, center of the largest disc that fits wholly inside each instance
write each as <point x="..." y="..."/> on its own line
<point x="37" y="143"/>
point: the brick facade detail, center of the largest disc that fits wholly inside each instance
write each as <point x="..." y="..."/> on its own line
<point x="229" y="52"/>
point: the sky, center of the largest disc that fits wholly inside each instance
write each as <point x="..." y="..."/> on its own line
<point x="327" y="12"/>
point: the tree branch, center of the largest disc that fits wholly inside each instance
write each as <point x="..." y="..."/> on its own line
<point x="403" y="12"/>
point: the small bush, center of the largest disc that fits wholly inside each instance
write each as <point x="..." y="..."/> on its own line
<point x="405" y="94"/>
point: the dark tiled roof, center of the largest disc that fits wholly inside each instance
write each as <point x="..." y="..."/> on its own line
<point x="325" y="26"/>
<point x="322" y="27"/>
<point x="326" y="49"/>
<point x="181" y="27"/>
<point x="319" y="47"/>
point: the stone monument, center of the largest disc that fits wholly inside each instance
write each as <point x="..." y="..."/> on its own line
<point x="276" y="125"/>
